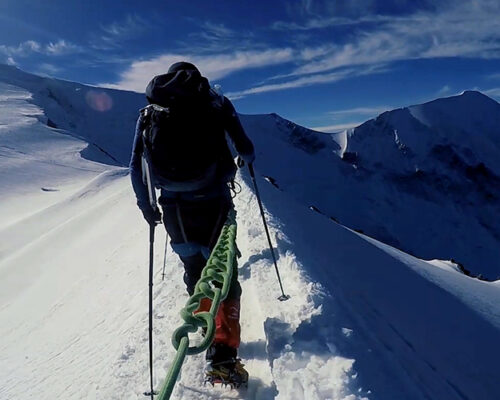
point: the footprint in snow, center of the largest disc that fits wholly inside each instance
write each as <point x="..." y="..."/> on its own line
<point x="129" y="351"/>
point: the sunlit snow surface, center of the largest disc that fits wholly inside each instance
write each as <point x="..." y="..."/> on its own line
<point x="364" y="319"/>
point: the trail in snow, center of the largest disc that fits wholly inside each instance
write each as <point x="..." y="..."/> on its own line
<point x="74" y="321"/>
<point x="73" y="277"/>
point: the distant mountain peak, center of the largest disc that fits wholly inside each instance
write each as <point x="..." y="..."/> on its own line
<point x="468" y="98"/>
<point x="474" y="94"/>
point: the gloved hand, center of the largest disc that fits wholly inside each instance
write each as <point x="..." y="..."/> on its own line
<point x="152" y="216"/>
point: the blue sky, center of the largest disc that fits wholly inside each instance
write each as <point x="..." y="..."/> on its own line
<point x="326" y="64"/>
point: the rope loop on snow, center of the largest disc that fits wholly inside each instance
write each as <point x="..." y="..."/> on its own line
<point x="213" y="284"/>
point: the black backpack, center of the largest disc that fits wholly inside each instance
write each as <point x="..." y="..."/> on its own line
<point x="183" y="136"/>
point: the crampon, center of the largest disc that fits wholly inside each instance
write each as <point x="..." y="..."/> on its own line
<point x="229" y="373"/>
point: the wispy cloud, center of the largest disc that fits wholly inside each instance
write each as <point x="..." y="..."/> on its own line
<point x="213" y="67"/>
<point x="327" y="22"/>
<point x="337" y="127"/>
<point x="219" y="31"/>
<point x="459" y="28"/>
<point x="350" y="118"/>
<point x="46" y="69"/>
<point x="116" y="33"/>
<point x="62" y="47"/>
<point x="309" y="81"/>
<point x="466" y="29"/>
<point x="446" y="89"/>
<point x="30" y="46"/>
<point x="295" y="83"/>
<point x="21" y="49"/>
<point x="360" y="111"/>
<point x="318" y="9"/>
<point x="210" y="38"/>
<point x="493" y="92"/>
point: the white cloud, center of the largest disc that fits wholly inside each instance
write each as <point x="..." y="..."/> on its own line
<point x="461" y="28"/>
<point x="10" y="61"/>
<point x="466" y="29"/>
<point x="360" y="111"/>
<point x="61" y="47"/>
<point x="446" y="89"/>
<point x="351" y="118"/>
<point x="29" y="47"/>
<point x="47" y="69"/>
<point x="327" y="22"/>
<point x="319" y="8"/>
<point x="22" y="49"/>
<point x="113" y="35"/>
<point x="215" y="38"/>
<point x="493" y="92"/>
<point x="218" y="30"/>
<point x="131" y="25"/>
<point x="137" y="76"/>
<point x="300" y="82"/>
<point x="337" y="127"/>
<point x="310" y="53"/>
<point x="308" y="81"/>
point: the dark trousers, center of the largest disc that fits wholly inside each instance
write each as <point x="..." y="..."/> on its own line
<point x="194" y="227"/>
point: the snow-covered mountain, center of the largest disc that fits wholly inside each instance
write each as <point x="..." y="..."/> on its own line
<point x="425" y="179"/>
<point x="443" y="158"/>
<point x="365" y="320"/>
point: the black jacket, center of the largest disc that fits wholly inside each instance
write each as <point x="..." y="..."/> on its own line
<point x="231" y="124"/>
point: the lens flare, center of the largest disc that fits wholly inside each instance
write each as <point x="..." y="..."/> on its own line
<point x="99" y="101"/>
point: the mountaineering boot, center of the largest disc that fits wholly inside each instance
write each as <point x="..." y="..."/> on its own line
<point x="229" y="373"/>
<point x="223" y="367"/>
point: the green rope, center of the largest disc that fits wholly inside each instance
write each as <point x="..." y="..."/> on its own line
<point x="214" y="284"/>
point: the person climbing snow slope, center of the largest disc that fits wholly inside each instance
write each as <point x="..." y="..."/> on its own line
<point x="180" y="140"/>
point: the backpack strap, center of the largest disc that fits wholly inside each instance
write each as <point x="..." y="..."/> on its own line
<point x="217" y="99"/>
<point x="147" y="170"/>
<point x="146" y="114"/>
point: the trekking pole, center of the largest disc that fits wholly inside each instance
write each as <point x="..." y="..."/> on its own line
<point x="283" y="296"/>
<point x="151" y="259"/>
<point x="164" y="258"/>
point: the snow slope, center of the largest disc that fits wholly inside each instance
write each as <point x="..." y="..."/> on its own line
<point x="364" y="321"/>
<point x="35" y="159"/>
<point x="104" y="118"/>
